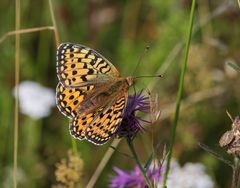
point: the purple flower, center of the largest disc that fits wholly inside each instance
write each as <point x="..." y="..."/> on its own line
<point x="131" y="123"/>
<point x="134" y="178"/>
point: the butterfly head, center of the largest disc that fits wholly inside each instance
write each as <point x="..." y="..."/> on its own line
<point x="131" y="80"/>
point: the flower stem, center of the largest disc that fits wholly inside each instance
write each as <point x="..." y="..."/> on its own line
<point x="74" y="146"/>
<point x="180" y="93"/>
<point x="236" y="173"/>
<point x="135" y="157"/>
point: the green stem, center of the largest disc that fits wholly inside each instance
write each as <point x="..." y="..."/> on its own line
<point x="74" y="146"/>
<point x="16" y="106"/>
<point x="236" y="173"/>
<point x="54" y="23"/>
<point x="135" y="157"/>
<point x="180" y="93"/>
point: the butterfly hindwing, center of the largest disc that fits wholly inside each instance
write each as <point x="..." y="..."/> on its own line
<point x="78" y="65"/>
<point x="106" y="122"/>
<point x="69" y="99"/>
<point x="78" y="125"/>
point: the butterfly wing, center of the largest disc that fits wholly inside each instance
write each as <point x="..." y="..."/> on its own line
<point x="102" y="128"/>
<point x="69" y="99"/>
<point x="99" y="127"/>
<point x="78" y="65"/>
<point x="78" y="125"/>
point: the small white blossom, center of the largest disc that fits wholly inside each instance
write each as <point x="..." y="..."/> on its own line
<point x="35" y="100"/>
<point x="7" y="174"/>
<point x="191" y="175"/>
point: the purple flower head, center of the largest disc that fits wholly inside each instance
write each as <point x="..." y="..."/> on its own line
<point x="131" y="123"/>
<point x="134" y="178"/>
<point x="188" y="176"/>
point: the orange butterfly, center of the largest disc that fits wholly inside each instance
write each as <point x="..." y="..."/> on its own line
<point x="90" y="92"/>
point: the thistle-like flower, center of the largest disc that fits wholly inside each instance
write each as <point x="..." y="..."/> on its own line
<point x="131" y="123"/>
<point x="188" y="176"/>
<point x="134" y="178"/>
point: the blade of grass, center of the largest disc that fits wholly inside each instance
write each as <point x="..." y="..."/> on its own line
<point x="102" y="164"/>
<point x="16" y="106"/>
<point x="216" y="155"/>
<point x="22" y="31"/>
<point x="120" y="152"/>
<point x="180" y="93"/>
<point x="54" y="23"/>
<point x="149" y="161"/>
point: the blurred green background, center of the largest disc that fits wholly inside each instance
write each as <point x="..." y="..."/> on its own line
<point x="121" y="30"/>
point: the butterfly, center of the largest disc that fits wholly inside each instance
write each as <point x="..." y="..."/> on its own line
<point x="90" y="92"/>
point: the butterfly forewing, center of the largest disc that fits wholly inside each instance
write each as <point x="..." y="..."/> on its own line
<point x="78" y="65"/>
<point x="69" y="99"/>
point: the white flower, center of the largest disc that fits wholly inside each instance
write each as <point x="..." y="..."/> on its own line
<point x="7" y="174"/>
<point x="191" y="175"/>
<point x="35" y="100"/>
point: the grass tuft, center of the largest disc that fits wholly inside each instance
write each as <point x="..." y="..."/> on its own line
<point x="179" y="94"/>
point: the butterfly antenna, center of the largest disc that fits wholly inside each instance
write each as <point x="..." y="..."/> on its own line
<point x="150" y="76"/>
<point x="140" y="59"/>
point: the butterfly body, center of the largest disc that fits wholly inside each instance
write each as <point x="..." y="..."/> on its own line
<point x="104" y="94"/>
<point x="90" y="92"/>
